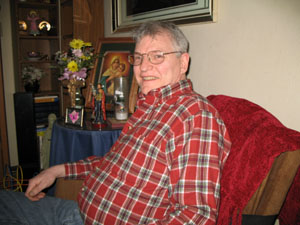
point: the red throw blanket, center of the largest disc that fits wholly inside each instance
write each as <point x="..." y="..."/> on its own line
<point x="257" y="139"/>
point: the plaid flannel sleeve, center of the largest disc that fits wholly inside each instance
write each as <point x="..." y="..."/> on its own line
<point x="80" y="169"/>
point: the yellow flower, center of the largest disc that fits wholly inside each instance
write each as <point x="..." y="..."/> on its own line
<point x="85" y="57"/>
<point x="72" y="66"/>
<point x="87" y="44"/>
<point x="76" y="43"/>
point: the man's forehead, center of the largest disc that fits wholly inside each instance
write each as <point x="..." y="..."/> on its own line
<point x="157" y="42"/>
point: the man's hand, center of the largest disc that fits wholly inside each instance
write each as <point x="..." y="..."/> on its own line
<point x="43" y="180"/>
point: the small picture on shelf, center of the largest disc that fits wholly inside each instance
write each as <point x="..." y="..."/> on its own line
<point x="74" y="116"/>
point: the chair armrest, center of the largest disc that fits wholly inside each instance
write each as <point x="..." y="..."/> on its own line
<point x="270" y="196"/>
<point x="68" y="189"/>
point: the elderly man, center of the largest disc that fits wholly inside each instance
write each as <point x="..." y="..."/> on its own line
<point x="165" y="168"/>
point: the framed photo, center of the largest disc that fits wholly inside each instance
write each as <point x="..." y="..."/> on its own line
<point x="129" y="13"/>
<point x="74" y="116"/>
<point x="112" y="61"/>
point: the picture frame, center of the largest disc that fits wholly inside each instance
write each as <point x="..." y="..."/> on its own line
<point x="74" y="116"/>
<point x="107" y="50"/>
<point x="127" y="14"/>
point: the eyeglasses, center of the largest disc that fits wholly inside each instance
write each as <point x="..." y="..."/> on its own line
<point x="155" y="57"/>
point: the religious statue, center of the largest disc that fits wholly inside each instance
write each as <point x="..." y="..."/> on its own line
<point x="32" y="18"/>
<point x="99" y="107"/>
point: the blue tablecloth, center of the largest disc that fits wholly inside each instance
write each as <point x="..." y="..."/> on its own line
<point x="69" y="144"/>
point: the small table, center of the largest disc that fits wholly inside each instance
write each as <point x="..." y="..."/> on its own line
<point x="69" y="143"/>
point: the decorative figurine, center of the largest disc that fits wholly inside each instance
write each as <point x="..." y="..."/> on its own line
<point x="99" y="107"/>
<point x="33" y="17"/>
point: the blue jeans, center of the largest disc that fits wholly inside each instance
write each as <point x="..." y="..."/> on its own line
<point x="15" y="209"/>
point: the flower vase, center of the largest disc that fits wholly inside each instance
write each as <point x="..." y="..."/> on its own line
<point x="74" y="86"/>
<point x="79" y="99"/>
<point x="32" y="87"/>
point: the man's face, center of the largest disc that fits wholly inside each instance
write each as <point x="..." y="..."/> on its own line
<point x="150" y="76"/>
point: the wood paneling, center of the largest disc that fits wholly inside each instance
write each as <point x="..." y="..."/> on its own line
<point x="88" y="20"/>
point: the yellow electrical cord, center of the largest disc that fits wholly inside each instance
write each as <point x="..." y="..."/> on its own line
<point x="18" y="180"/>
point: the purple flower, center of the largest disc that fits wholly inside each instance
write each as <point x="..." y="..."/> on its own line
<point x="74" y="116"/>
<point x="81" y="74"/>
<point x="66" y="75"/>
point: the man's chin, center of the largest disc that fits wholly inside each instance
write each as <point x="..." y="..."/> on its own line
<point x="145" y="92"/>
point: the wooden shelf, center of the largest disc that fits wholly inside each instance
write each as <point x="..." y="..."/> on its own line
<point x="38" y="61"/>
<point x="35" y="5"/>
<point x="54" y="37"/>
<point x="51" y="92"/>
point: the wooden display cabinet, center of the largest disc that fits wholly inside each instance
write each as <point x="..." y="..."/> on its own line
<point x="68" y="19"/>
<point x="82" y="19"/>
<point x="46" y="43"/>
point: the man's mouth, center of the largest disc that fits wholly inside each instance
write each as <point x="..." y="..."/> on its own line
<point x="149" y="78"/>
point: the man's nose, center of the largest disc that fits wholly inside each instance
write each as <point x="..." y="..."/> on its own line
<point x="145" y="64"/>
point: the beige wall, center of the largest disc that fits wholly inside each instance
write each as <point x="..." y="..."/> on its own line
<point x="8" y="72"/>
<point x="252" y="52"/>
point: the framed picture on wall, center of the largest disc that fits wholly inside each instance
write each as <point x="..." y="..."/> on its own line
<point x="112" y="62"/>
<point x="129" y="13"/>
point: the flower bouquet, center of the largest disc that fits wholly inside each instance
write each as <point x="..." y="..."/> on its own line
<point x="31" y="77"/>
<point x="74" y="65"/>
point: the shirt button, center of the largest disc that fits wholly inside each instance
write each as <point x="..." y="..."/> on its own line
<point x="130" y="127"/>
<point x="83" y="189"/>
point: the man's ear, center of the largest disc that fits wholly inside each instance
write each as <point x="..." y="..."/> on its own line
<point x="185" y="58"/>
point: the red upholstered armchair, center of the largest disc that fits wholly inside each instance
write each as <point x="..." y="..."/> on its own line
<point x="261" y="177"/>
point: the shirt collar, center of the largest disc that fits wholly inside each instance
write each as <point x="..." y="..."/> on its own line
<point x="163" y="93"/>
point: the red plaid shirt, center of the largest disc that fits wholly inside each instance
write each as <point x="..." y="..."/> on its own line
<point x="165" y="167"/>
